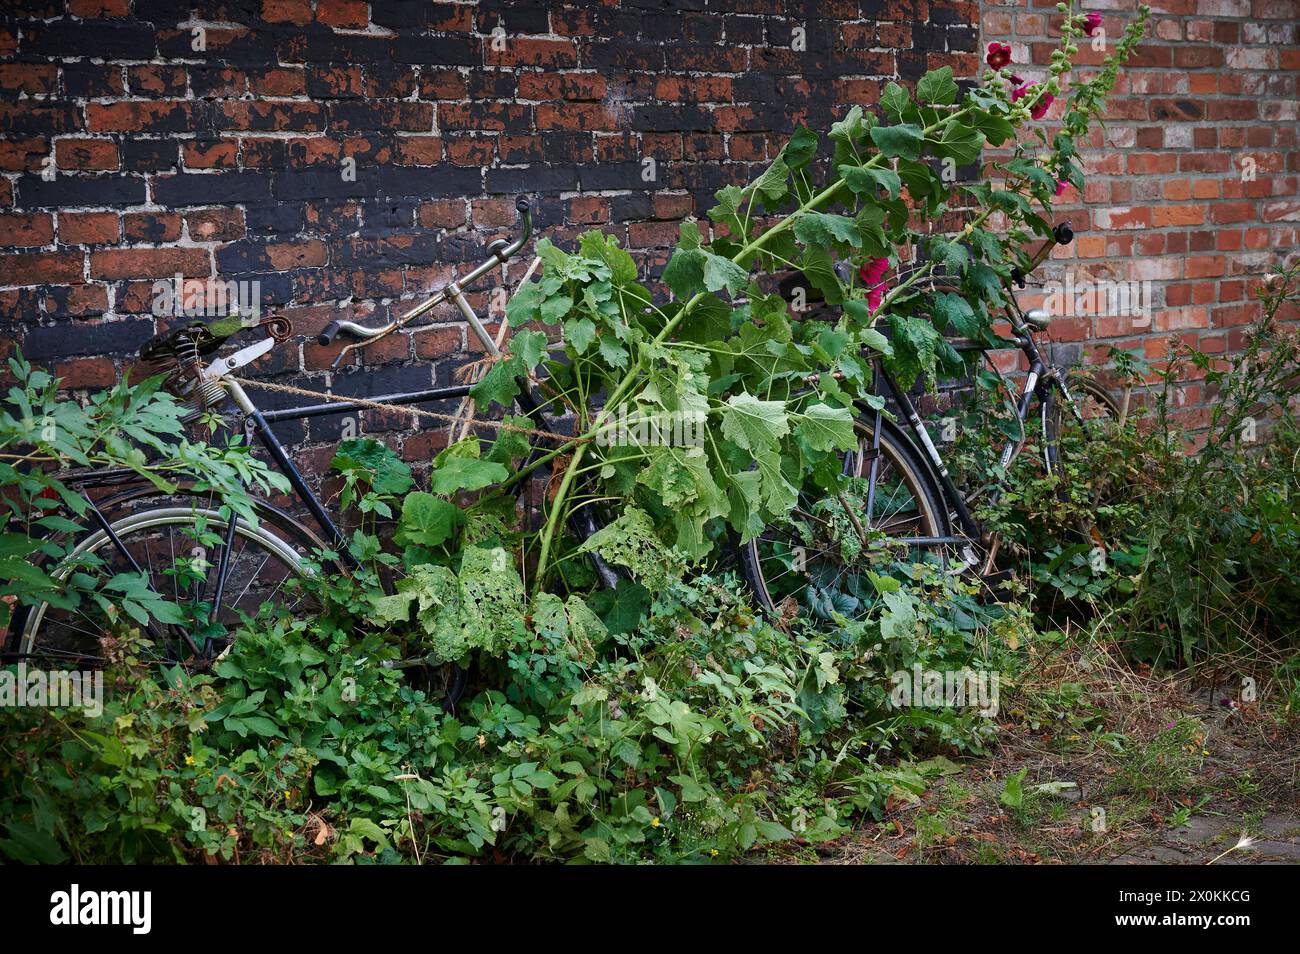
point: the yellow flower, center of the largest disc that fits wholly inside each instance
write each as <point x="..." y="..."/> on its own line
<point x="189" y="760"/>
<point x="655" y="823"/>
<point x="713" y="852"/>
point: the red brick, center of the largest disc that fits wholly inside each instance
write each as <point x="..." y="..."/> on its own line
<point x="271" y="116"/>
<point x="18" y="155"/>
<point x="280" y="81"/>
<point x="86" y="373"/>
<point x="215" y="225"/>
<point x="418" y="150"/>
<point x="576" y="116"/>
<point x="140" y="116"/>
<point x="41" y="268"/>
<point x="154" y="227"/>
<point x="26" y="231"/>
<point x="439" y="341"/>
<point x="1203" y="266"/>
<point x="588" y="210"/>
<point x="492" y="213"/>
<point x="1232" y="212"/>
<point x="150" y="263"/>
<point x="296" y="255"/>
<point x="550" y="54"/>
<point x="96" y="154"/>
<point x="343" y="14"/>
<point x="297" y="12"/>
<point x="99" y="9"/>
<point x="88" y="228"/>
<point x="31" y="78"/>
<point x="157" y="80"/>
<point x="1164" y="216"/>
<point x="77" y="301"/>
<point x="209" y="154"/>
<point x="469" y="151"/>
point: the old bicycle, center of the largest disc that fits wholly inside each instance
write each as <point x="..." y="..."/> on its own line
<point x="901" y="498"/>
<point x="222" y="566"/>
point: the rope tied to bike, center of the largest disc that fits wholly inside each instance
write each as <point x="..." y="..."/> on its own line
<point x="451" y="419"/>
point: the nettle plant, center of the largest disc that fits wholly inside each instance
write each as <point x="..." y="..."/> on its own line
<point x="725" y="352"/>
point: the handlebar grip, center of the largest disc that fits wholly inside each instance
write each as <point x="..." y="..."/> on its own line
<point x="1063" y="233"/>
<point x="327" y="336"/>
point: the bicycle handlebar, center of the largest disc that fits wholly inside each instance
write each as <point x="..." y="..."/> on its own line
<point x="501" y="252"/>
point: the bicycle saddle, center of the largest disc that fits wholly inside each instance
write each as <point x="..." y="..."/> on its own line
<point x="193" y="338"/>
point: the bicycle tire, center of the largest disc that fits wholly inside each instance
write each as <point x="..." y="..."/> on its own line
<point x="1086" y="392"/>
<point x="765" y="564"/>
<point x="40" y="623"/>
<point x="1095" y="403"/>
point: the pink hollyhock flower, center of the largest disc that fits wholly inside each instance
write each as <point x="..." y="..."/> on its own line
<point x="1092" y="23"/>
<point x="1061" y="186"/>
<point x="998" y="55"/>
<point x="1041" y="107"/>
<point x="872" y="275"/>
<point x="1016" y="80"/>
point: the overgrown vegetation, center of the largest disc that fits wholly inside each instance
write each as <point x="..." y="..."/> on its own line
<point x="664" y="719"/>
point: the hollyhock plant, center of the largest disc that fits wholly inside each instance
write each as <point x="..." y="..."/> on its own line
<point x="998" y="55"/>
<point x="887" y="175"/>
<point x="1091" y="23"/>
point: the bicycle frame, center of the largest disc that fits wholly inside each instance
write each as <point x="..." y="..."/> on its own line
<point x="1039" y="379"/>
<point x="258" y="423"/>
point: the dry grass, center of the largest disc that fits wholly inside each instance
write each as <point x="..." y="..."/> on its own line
<point x="1174" y="773"/>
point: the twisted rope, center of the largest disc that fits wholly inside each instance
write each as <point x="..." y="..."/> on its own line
<point x="407" y="409"/>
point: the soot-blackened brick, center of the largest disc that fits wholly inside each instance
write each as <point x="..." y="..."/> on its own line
<point x="78" y="191"/>
<point x="68" y="338"/>
<point x="215" y="188"/>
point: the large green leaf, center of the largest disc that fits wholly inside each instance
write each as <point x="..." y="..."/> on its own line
<point x="826" y="428"/>
<point x="865" y="180"/>
<point x="752" y="424"/>
<point x="825" y="229"/>
<point x="427" y="521"/>
<point x="463" y="473"/>
<point x="904" y="140"/>
<point x="937" y="87"/>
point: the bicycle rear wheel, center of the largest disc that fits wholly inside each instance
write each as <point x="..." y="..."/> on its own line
<point x="178" y="551"/>
<point x="818" y="560"/>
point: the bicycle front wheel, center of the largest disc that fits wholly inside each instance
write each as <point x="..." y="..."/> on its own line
<point x="816" y="563"/>
<point x="1087" y="435"/>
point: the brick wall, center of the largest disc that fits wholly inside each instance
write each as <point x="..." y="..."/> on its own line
<point x="142" y="141"/>
<point x="348" y="157"/>
<point x="1195" y="183"/>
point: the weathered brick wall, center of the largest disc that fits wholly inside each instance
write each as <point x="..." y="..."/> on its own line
<point x="349" y="157"/>
<point x="1195" y="183"/>
<point x="142" y="140"/>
